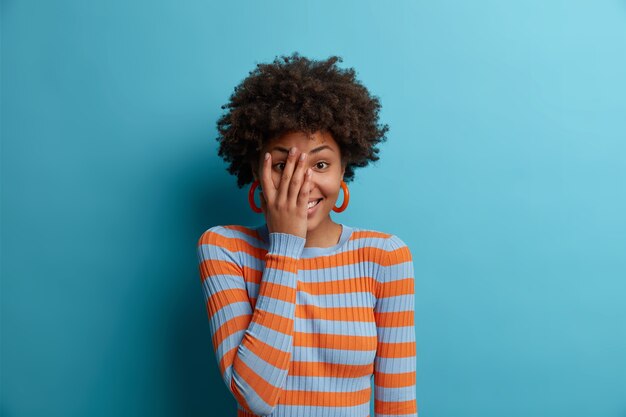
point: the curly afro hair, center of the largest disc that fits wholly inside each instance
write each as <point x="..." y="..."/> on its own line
<point x="294" y="93"/>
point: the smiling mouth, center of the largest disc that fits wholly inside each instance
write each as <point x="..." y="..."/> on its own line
<point x="314" y="203"/>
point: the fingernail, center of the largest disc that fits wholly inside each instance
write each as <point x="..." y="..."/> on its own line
<point x="292" y="151"/>
<point x="267" y="156"/>
<point x="308" y="172"/>
<point x="302" y="156"/>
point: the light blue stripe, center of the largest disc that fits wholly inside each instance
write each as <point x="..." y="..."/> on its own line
<point x="263" y="368"/>
<point x="337" y="300"/>
<point x="396" y="272"/>
<point x="344" y="328"/>
<point x="339" y="272"/>
<point x="327" y="384"/>
<point x="231" y="342"/>
<point x="386" y="305"/>
<point x="397" y="334"/>
<point x="334" y="356"/>
<point x="395" y="365"/>
<point x="254" y="401"/>
<point x="404" y="302"/>
<point x="229" y="312"/>
<point x="270" y="336"/>
<point x="281" y="277"/>
<point x="395" y="394"/>
<point x="390" y="415"/>
<point x="322" y="274"/>
<point x="260" y="333"/>
<point x="275" y="306"/>
<point x="283" y="410"/>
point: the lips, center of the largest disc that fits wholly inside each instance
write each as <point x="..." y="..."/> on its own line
<point x="312" y="210"/>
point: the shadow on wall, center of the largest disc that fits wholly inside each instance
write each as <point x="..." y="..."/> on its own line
<point x="199" y="388"/>
<point x="197" y="385"/>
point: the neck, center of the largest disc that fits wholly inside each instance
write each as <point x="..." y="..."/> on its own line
<point x="325" y="235"/>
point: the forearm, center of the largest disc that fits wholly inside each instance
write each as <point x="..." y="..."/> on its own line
<point x="261" y="364"/>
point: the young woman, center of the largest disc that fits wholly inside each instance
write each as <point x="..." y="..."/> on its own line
<point x="303" y="310"/>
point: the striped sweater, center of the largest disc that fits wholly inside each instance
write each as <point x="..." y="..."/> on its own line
<point x="301" y="331"/>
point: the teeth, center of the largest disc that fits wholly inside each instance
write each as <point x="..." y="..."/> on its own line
<point x="312" y="203"/>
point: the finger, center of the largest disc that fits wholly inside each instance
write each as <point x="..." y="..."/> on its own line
<point x="297" y="181"/>
<point x="263" y="202"/>
<point x="283" y="187"/>
<point x="305" y="191"/>
<point x="267" y="185"/>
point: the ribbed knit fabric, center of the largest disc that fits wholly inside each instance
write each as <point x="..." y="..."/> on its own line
<point x="299" y="332"/>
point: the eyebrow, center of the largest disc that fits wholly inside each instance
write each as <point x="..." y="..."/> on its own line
<point x="316" y="150"/>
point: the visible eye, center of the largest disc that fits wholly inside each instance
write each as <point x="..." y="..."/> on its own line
<point x="281" y="165"/>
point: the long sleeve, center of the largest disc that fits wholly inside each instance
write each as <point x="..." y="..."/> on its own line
<point x="395" y="361"/>
<point x="253" y="348"/>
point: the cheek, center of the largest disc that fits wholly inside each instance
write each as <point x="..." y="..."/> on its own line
<point x="276" y="176"/>
<point x="329" y="188"/>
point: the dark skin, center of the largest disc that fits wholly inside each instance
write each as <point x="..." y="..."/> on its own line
<point x="323" y="158"/>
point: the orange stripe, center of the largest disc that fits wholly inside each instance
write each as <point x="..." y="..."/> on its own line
<point x="229" y="328"/>
<point x="227" y="359"/>
<point x="348" y="257"/>
<point x="352" y="314"/>
<point x="274" y="321"/>
<point x="335" y="370"/>
<point x="341" y="286"/>
<point x="405" y="286"/>
<point x="395" y="408"/>
<point x="224" y="298"/>
<point x="271" y="321"/>
<point x="281" y="263"/>
<point x="277" y="291"/>
<point x="219" y="266"/>
<point x="252" y="275"/>
<point x="268" y="353"/>
<point x="399" y="380"/>
<point x="213" y="267"/>
<point x="240" y="398"/>
<point x="395" y="319"/>
<point x="335" y="341"/>
<point x="263" y="389"/>
<point x="325" y="399"/>
<point x="397" y="350"/>
<point x="214" y="238"/>
<point x="397" y="256"/>
<point x="275" y="357"/>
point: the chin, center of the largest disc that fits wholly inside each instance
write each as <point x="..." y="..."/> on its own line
<point x="312" y="224"/>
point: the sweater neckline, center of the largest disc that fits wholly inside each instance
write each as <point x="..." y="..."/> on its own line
<point x="313" y="251"/>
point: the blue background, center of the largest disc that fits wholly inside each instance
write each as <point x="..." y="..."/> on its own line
<point x="504" y="171"/>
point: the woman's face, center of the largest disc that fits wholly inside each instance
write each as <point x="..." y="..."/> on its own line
<point x="324" y="159"/>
